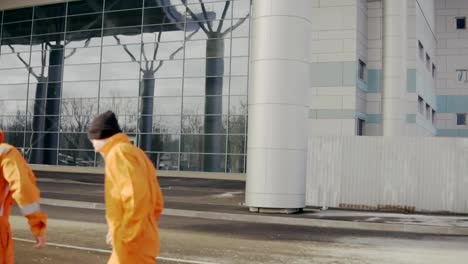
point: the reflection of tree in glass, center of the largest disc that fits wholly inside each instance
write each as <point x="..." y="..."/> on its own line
<point x="214" y="80"/>
<point x="147" y="87"/>
<point x="48" y="94"/>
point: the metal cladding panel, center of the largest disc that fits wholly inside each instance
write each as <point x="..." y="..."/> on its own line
<point x="395" y="173"/>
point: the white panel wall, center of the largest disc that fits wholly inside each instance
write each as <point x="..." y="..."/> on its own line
<point x="452" y="54"/>
<point x="334" y="40"/>
<point x="397" y="171"/>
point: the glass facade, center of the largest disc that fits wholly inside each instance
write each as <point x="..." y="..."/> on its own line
<point x="175" y="73"/>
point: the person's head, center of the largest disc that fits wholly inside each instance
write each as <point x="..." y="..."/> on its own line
<point x="1" y="136"/>
<point x="103" y="127"/>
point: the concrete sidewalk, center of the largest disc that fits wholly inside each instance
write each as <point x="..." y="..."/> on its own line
<point x="223" y="200"/>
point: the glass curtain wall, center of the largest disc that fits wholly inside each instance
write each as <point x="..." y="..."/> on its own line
<point x="174" y="71"/>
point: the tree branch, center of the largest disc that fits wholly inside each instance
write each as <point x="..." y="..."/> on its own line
<point x="156" y="49"/>
<point x="226" y="7"/>
<point x="238" y="23"/>
<point x="71" y="54"/>
<point x="159" y="66"/>
<point x="171" y="57"/>
<point x="126" y="49"/>
<point x="205" y="14"/>
<point x="200" y="24"/>
<point x="28" y="67"/>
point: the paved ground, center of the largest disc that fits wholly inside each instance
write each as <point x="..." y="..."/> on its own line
<point x="192" y="240"/>
<point x="78" y="235"/>
<point x="227" y="197"/>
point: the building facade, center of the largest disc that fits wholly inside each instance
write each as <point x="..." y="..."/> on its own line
<point x="178" y="74"/>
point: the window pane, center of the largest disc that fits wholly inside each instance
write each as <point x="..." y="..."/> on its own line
<point x="76" y="158"/>
<point x="461" y="119"/>
<point x="15" y="138"/>
<point x="240" y="66"/>
<point x="79" y="107"/>
<point x="17" y="29"/>
<point x="167" y="69"/>
<point x="195" y="143"/>
<point x="88" y="72"/>
<point x="165" y="161"/>
<point x="122" y="18"/>
<point x="123" y="88"/>
<point x="17" y="15"/>
<point x="83" y="39"/>
<point x="239" y="85"/>
<point x="235" y="164"/>
<point x="13" y="107"/>
<point x="82" y="7"/>
<point x="14" y="76"/>
<point x="241" y="8"/>
<point x="123" y="4"/>
<point x="195" y="162"/>
<point x="163" y="51"/>
<point x="121" y="53"/>
<point x="75" y="141"/>
<point x="82" y="55"/>
<point x="13" y="123"/>
<point x="237" y="124"/>
<point x="156" y="15"/>
<point x="167" y="105"/>
<point x="238" y="105"/>
<point x="461" y="23"/>
<point x="121" y="106"/>
<point x="84" y="22"/>
<point x="21" y="44"/>
<point x="168" y="87"/>
<point x="123" y="35"/>
<point x="8" y="61"/>
<point x="170" y="32"/>
<point x="166" y="124"/>
<point x="120" y="71"/>
<point x="56" y="10"/>
<point x="13" y="91"/>
<point x="164" y="143"/>
<point x="236" y="144"/>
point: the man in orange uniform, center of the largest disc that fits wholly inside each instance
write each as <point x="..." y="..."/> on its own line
<point x="133" y="196"/>
<point x="18" y="183"/>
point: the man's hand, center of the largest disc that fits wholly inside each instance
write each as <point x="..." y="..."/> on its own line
<point x="109" y="239"/>
<point x="41" y="242"/>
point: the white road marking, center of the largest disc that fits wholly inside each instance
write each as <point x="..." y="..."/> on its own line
<point x="110" y="251"/>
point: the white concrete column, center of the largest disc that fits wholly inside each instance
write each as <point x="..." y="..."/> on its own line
<point x="279" y="79"/>
<point x="394" y="67"/>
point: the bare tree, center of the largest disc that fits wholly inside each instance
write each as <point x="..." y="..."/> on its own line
<point x="147" y="90"/>
<point x="214" y="73"/>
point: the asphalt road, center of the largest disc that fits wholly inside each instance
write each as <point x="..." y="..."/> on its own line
<point x="192" y="240"/>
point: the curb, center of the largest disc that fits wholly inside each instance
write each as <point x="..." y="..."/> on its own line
<point x="282" y="220"/>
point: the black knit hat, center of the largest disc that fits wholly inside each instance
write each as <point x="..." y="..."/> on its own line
<point x="104" y="126"/>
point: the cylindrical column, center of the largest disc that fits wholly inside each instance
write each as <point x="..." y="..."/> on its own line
<point x="394" y="67"/>
<point x="279" y="79"/>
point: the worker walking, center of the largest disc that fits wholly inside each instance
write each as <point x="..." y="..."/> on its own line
<point x="18" y="183"/>
<point x="133" y="196"/>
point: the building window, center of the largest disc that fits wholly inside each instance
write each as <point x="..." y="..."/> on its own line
<point x="420" y="105"/>
<point x="360" y="127"/>
<point x="461" y="22"/>
<point x="421" y="50"/>
<point x="461" y="119"/>
<point x="461" y="76"/>
<point x="428" y="62"/>
<point x="433" y="116"/>
<point x="362" y="70"/>
<point x="428" y="112"/>
<point x="433" y="71"/>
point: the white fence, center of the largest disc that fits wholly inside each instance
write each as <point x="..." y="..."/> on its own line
<point x="426" y="174"/>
